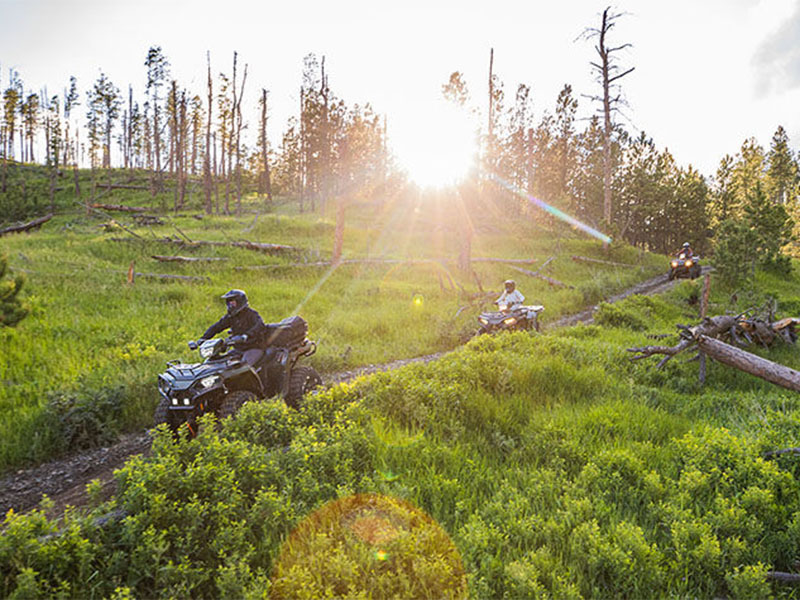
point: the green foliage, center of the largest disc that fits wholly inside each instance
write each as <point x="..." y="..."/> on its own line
<point x="734" y="253"/>
<point x="86" y="419"/>
<point x="12" y="310"/>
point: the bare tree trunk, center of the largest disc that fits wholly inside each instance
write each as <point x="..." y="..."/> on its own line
<point x="207" y="159"/>
<point x="302" y="166"/>
<point x="326" y="150"/>
<point x="338" y="240"/>
<point x="266" y="183"/>
<point x="238" y="113"/>
<point x="490" y="127"/>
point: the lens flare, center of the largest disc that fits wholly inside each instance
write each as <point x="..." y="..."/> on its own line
<point x="418" y="300"/>
<point x="381" y="555"/>
<point x="559" y="214"/>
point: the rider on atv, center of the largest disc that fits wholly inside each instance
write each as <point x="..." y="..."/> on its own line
<point x="245" y="324"/>
<point x="511" y="297"/>
<point x="686" y="250"/>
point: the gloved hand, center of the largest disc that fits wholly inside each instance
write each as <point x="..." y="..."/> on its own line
<point x="237" y="339"/>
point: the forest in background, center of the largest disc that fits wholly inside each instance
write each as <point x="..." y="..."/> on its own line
<point x="606" y="172"/>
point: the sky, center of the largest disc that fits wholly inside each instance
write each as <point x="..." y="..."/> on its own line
<point x="708" y="74"/>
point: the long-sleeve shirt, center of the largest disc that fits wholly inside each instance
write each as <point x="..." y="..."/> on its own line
<point x="247" y="321"/>
<point x="513" y="299"/>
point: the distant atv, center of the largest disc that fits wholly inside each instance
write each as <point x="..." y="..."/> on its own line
<point x="222" y="383"/>
<point x="521" y="318"/>
<point x="683" y="267"/>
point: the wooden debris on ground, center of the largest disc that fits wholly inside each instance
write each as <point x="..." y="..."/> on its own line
<point x="705" y="338"/>
<point x="187" y="259"/>
<point x="141" y="219"/>
<point x="600" y="262"/>
<point x="120" y="207"/>
<point x="256" y="246"/>
<point x="545" y="278"/>
<point x="31" y="225"/>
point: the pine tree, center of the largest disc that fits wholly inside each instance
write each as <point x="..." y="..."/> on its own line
<point x="12" y="311"/>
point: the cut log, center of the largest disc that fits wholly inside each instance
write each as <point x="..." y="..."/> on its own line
<point x="119" y="207"/>
<point x="600" y="262"/>
<point x="188" y="259"/>
<point x="35" y="224"/>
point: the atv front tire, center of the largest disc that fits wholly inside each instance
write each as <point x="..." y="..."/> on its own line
<point x="162" y="415"/>
<point x="303" y="380"/>
<point x="234" y="401"/>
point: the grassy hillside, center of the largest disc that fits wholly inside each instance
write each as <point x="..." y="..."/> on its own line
<point x="556" y="467"/>
<point x="82" y="367"/>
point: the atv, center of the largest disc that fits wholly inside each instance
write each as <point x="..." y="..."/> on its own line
<point x="223" y="382"/>
<point x="520" y="318"/>
<point x="682" y="267"/>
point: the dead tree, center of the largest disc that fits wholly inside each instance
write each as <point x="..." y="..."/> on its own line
<point x="265" y="186"/>
<point x="703" y="338"/>
<point x="608" y="73"/>
<point x="207" y="159"/>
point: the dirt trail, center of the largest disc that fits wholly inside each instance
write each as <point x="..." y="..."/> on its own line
<point x="64" y="480"/>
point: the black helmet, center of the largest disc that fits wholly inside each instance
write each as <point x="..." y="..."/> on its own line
<point x="510" y="285"/>
<point x="236" y="300"/>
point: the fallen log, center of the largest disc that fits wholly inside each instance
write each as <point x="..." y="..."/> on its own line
<point x="256" y="246"/>
<point x="521" y="261"/>
<point x="750" y="363"/>
<point x="781" y="452"/>
<point x="169" y="277"/>
<point x="548" y="280"/>
<point x="600" y="262"/>
<point x="119" y="207"/>
<point x="35" y="224"/>
<point x="703" y="336"/>
<point x="122" y="186"/>
<point x="783" y="577"/>
<point x="188" y="259"/>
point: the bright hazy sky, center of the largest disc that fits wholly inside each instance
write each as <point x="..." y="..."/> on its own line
<point x="709" y="73"/>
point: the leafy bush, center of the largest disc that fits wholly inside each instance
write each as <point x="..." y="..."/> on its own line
<point x="12" y="311"/>
<point x="635" y="312"/>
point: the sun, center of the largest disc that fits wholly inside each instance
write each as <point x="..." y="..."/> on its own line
<point x="440" y="148"/>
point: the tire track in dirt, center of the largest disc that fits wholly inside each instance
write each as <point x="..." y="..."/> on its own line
<point x="64" y="480"/>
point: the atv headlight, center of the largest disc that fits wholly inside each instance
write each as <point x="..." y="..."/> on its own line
<point x="175" y="402"/>
<point x="207" y="382"/>
<point x="674" y="264"/>
<point x="206" y="351"/>
<point x="689" y="263"/>
<point x="484" y="321"/>
<point x="186" y="402"/>
<point x="509" y="321"/>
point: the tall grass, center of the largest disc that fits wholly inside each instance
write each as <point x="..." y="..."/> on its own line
<point x="92" y="335"/>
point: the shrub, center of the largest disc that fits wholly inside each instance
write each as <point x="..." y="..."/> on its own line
<point x="12" y="311"/>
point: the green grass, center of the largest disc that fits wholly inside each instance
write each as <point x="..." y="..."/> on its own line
<point x="91" y="335"/>
<point x="556" y="467"/>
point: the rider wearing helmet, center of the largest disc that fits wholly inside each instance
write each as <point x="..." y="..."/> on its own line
<point x="511" y="296"/>
<point x="243" y="322"/>
<point x="686" y="250"/>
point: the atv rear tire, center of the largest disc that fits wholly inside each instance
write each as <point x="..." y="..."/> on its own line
<point x="303" y="380"/>
<point x="234" y="401"/>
